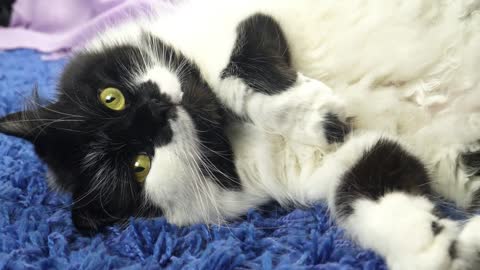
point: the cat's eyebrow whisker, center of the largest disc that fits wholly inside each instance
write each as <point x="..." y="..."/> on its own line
<point x="76" y="101"/>
<point x="93" y="110"/>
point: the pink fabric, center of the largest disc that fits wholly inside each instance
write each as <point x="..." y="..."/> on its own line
<point x="57" y="26"/>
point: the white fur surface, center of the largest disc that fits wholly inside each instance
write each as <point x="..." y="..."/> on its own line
<point x="167" y="81"/>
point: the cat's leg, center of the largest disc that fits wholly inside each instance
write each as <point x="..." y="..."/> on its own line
<point x="377" y="190"/>
<point x="260" y="85"/>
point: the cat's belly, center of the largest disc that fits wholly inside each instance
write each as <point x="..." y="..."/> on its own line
<point x="272" y="163"/>
<point x="419" y="51"/>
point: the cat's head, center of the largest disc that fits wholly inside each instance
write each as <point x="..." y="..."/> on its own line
<point x="134" y="127"/>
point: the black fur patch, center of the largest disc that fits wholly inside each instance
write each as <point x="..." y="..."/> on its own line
<point x="436" y="228"/>
<point x="261" y="57"/>
<point x="384" y="168"/>
<point x="471" y="162"/>
<point x="335" y="130"/>
<point x="475" y="204"/>
<point x="5" y="12"/>
<point x="452" y="250"/>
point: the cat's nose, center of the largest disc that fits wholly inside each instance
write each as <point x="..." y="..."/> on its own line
<point x="159" y="109"/>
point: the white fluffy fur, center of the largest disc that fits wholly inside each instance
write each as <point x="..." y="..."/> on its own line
<point x="408" y="69"/>
<point x="166" y="80"/>
<point x="387" y="227"/>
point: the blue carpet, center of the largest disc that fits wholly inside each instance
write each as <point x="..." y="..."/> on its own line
<point x="36" y="230"/>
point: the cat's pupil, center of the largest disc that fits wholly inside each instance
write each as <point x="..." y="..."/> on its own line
<point x="110" y="99"/>
<point x="139" y="169"/>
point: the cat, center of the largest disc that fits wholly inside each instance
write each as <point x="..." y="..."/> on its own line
<point x="220" y="106"/>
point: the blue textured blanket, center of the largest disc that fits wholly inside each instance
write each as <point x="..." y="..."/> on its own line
<point x="36" y="231"/>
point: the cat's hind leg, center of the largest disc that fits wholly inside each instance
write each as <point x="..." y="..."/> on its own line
<point x="378" y="191"/>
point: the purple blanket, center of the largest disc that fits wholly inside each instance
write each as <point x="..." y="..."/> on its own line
<point x="57" y="26"/>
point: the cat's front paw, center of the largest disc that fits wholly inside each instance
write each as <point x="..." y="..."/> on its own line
<point x="466" y="250"/>
<point x="451" y="248"/>
<point x="311" y="113"/>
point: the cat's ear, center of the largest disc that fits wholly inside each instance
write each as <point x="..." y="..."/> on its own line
<point x="24" y="124"/>
<point x="33" y="123"/>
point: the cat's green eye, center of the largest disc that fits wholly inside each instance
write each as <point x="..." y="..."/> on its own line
<point x="112" y="98"/>
<point x="141" y="167"/>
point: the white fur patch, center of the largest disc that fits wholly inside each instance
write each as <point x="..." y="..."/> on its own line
<point x="166" y="80"/>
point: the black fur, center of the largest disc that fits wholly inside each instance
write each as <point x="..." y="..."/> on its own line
<point x="452" y="250"/>
<point x="261" y="56"/>
<point x="335" y="130"/>
<point x="5" y="12"/>
<point x="91" y="154"/>
<point x="475" y="204"/>
<point x="470" y="162"/>
<point x="386" y="167"/>
<point x="436" y="228"/>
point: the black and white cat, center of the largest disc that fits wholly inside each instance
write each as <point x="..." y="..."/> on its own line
<point x="372" y="106"/>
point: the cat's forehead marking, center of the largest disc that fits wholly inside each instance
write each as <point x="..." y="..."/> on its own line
<point x="167" y="81"/>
